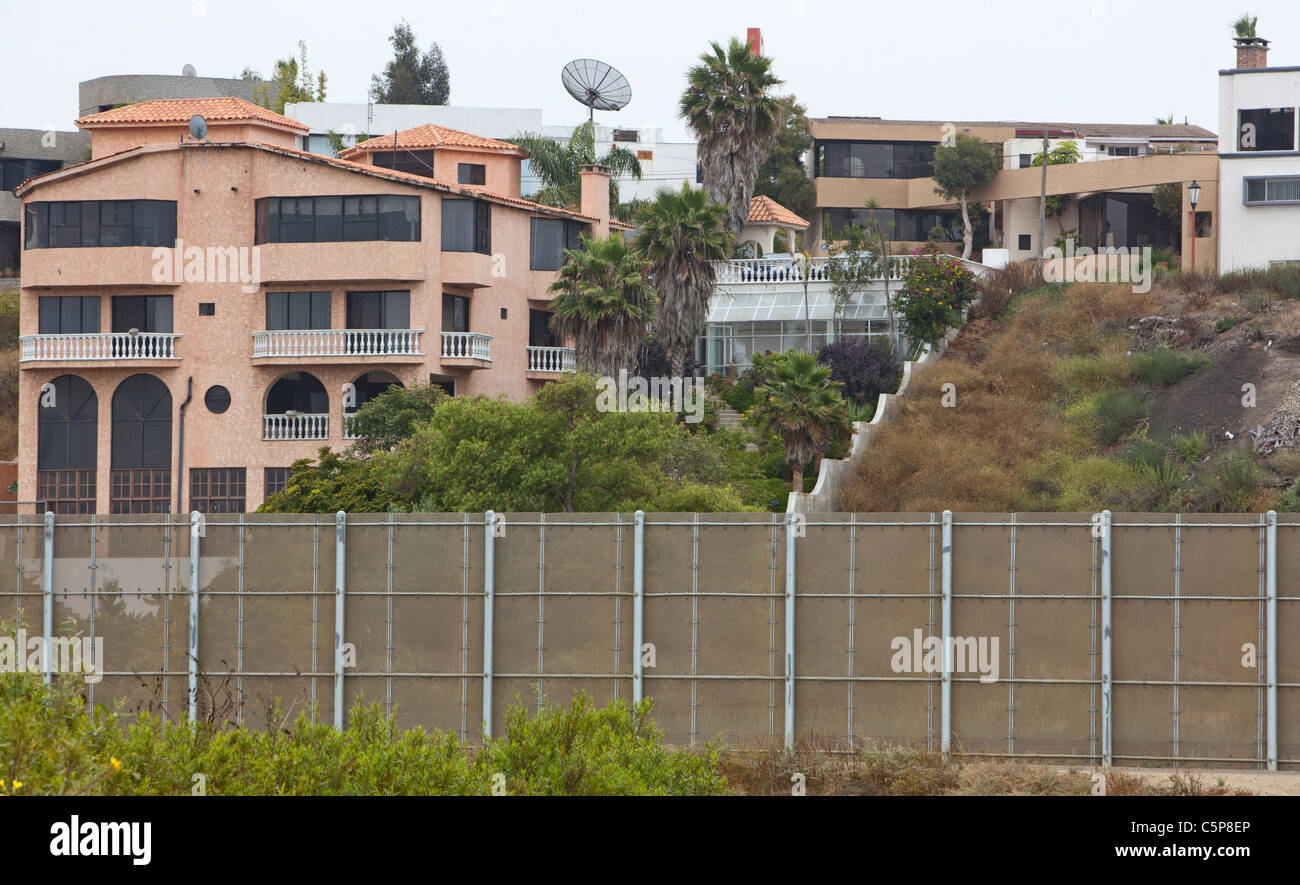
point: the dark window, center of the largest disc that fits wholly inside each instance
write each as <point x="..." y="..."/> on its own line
<point x="626" y="135"/>
<point x="297" y="310"/>
<point x="379" y="310"/>
<point x="699" y="173"/>
<point x="359" y="218"/>
<point x="69" y="314"/>
<point x="217" y="489"/>
<point x="217" y="399"/>
<point x="471" y="173"/>
<point x="297" y="392"/>
<point x="14" y="171"/>
<point x="504" y="312"/>
<point x="100" y="223"/>
<point x="539" y="329"/>
<point x="455" y="313"/>
<point x="207" y="308"/>
<point x="66" y="491"/>
<point x="904" y="225"/>
<point x="141" y="490"/>
<point x="1024" y="243"/>
<point x="874" y="159"/>
<point x="550" y="237"/>
<point x="274" y="479"/>
<point x="414" y="162"/>
<point x="446" y="383"/>
<point x="466" y="226"/>
<point x="145" y="313"/>
<point x="142" y="423"/>
<point x="1115" y="150"/>
<point x="1026" y="160"/>
<point x="1266" y="129"/>
<point x="67" y="428"/>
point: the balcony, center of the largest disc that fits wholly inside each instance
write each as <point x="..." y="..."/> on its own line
<point x="97" y="346"/>
<point x="547" y="361"/>
<point x="295" y="426"/>
<point x="470" y="269"/>
<point x="758" y="273"/>
<point x="292" y="345"/>
<point x="472" y="349"/>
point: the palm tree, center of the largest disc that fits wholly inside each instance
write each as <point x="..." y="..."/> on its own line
<point x="727" y="107"/>
<point x="605" y="304"/>
<point x="802" y="406"/>
<point x="1245" y="26"/>
<point x="558" y="167"/>
<point x="682" y="234"/>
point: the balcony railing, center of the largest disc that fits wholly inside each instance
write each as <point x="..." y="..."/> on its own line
<point x="100" y="346"/>
<point x="466" y="345"/>
<point x="337" y="342"/>
<point x="296" y="426"/>
<point x="787" y="270"/>
<point x="349" y="425"/>
<point x="550" y="359"/>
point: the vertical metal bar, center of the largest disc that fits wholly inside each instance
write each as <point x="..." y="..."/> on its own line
<point x="695" y="620"/>
<point x="789" y="630"/>
<point x="47" y="593"/>
<point x="93" y="568"/>
<point x="777" y="522"/>
<point x="18" y="564"/>
<point x="315" y="607"/>
<point x="618" y="605"/>
<point x="945" y="697"/>
<point x="853" y="569"/>
<point x="167" y="612"/>
<point x="1271" y="649"/>
<point x="1178" y="625"/>
<point x="196" y="520"/>
<point x="541" y="606"/>
<point x="929" y="631"/>
<point x="1094" y="651"/>
<point x="1011" y="642"/>
<point x="239" y="629"/>
<point x="464" y="632"/>
<point x="1261" y="645"/>
<point x="340" y="567"/>
<point x="489" y="554"/>
<point x="1106" y="676"/>
<point x="388" y="638"/>
<point x="638" y="604"/>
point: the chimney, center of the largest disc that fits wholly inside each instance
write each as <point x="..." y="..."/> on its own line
<point x="754" y="40"/>
<point x="595" y="198"/>
<point x="1252" y="52"/>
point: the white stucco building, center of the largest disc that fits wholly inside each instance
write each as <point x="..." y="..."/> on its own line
<point x="1259" y="168"/>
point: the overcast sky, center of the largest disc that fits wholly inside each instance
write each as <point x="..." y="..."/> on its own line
<point x="1123" y="61"/>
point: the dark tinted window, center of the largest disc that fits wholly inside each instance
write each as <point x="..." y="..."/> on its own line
<point x="471" y="173"/>
<point x="466" y="226"/>
<point x="379" y="310"/>
<point x="14" y="171"/>
<point x="539" y="329"/>
<point x="297" y="310"/>
<point x="100" y="223"/>
<point x="337" y="219"/>
<point x="69" y="314"/>
<point x="217" y="399"/>
<point x="550" y="237"/>
<point x="1266" y="129"/>
<point x="875" y="159"/>
<point x="67" y="430"/>
<point x="414" y="162"/>
<point x="142" y="423"/>
<point x="147" y="313"/>
<point x="455" y="313"/>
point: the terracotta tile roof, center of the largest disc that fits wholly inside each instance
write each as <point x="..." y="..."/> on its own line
<point x="432" y="136"/>
<point x="180" y="110"/>
<point x="765" y="210"/>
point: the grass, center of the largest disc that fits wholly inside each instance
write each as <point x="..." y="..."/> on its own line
<point x="1165" y="366"/>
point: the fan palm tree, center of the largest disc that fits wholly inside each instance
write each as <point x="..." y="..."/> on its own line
<point x="558" y="166"/>
<point x="604" y="304"/>
<point x="803" y="407"/>
<point x="1245" y="26"/>
<point x="727" y="107"/>
<point x="682" y="234"/>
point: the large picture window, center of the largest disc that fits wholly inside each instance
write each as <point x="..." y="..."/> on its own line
<point x="344" y="219"/>
<point x="1266" y="129"/>
<point x="550" y="237"/>
<point x="69" y="314"/>
<point x="144" y="313"/>
<point x="15" y="171"/>
<point x="466" y="226"/>
<point x="69" y="224"/>
<point x="379" y="310"/>
<point x="874" y="159"/>
<point x="217" y="489"/>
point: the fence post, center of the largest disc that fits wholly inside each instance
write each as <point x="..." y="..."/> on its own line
<point x="1106" y="675"/>
<point x="1271" y="646"/>
<point x="340" y="566"/>
<point x="489" y="554"/>
<point x="945" y="702"/>
<point x="789" y="630"/>
<point x="196" y="522"/>
<point x="47" y="594"/>
<point x="638" y="604"/>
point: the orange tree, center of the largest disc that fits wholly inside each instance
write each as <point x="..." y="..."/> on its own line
<point x="936" y="290"/>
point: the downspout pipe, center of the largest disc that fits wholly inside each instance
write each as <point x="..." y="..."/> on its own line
<point x="180" y="443"/>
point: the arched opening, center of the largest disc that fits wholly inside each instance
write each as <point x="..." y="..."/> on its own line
<point x="365" y="388"/>
<point x="67" y="431"/>
<point x="142" y="446"/>
<point x="297" y="407"/>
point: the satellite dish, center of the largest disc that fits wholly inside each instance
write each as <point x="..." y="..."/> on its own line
<point x="596" y="84"/>
<point x="198" y="127"/>
<point x="188" y="71"/>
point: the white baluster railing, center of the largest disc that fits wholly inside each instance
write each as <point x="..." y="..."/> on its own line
<point x="296" y="426"/>
<point x="337" y="342"/>
<point x="349" y="425"/>
<point x="95" y="346"/>
<point x="466" y="345"/>
<point x="787" y="270"/>
<point x="550" y="359"/>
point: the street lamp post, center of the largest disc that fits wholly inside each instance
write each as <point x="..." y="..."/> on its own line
<point x="1193" y="197"/>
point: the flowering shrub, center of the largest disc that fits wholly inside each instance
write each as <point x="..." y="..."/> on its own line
<point x="936" y="290"/>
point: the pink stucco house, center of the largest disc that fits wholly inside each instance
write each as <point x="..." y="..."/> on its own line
<point x="197" y="314"/>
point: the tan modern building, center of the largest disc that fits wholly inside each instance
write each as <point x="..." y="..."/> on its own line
<point x="199" y="313"/>
<point x="855" y="160"/>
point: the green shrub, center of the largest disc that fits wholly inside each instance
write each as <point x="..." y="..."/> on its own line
<point x="1109" y="414"/>
<point x="1079" y="376"/>
<point x="1191" y="446"/>
<point x="1228" y="484"/>
<point x="1097" y="483"/>
<point x="1164" y="365"/>
<point x="1225" y="324"/>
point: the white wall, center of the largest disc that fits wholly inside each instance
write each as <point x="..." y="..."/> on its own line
<point x="1021" y="217"/>
<point x="1253" y="236"/>
<point x="344" y="117"/>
